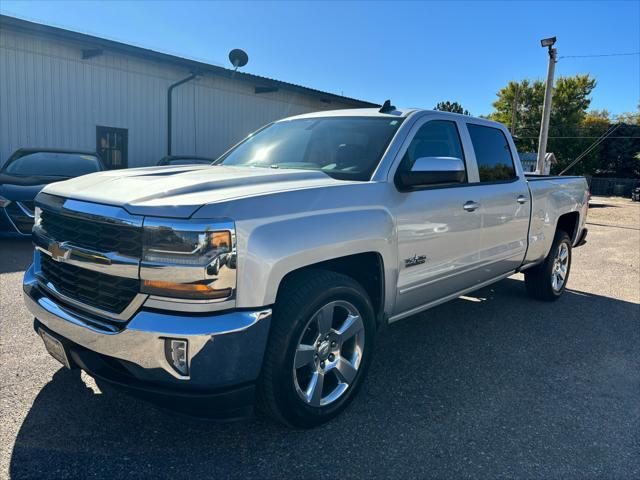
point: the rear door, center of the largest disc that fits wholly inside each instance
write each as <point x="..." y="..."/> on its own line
<point x="503" y="196"/>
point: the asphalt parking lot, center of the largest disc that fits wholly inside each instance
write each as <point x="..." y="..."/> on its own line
<point x="492" y="385"/>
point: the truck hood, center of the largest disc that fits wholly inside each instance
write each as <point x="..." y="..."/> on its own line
<point x="178" y="191"/>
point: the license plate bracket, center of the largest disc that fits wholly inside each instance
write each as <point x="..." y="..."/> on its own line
<point x="55" y="348"/>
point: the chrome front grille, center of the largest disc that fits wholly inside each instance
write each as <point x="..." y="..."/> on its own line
<point x="88" y="256"/>
<point x="95" y="289"/>
<point x="92" y="233"/>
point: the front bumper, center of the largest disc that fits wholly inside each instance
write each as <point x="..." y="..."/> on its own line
<point x="224" y="353"/>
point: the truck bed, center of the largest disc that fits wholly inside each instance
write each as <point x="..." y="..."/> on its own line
<point x="552" y="196"/>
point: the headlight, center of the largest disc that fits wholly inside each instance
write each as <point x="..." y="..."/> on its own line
<point x="4" y="201"/>
<point x="165" y="245"/>
<point x="188" y="260"/>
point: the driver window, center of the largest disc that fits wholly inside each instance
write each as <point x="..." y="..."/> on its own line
<point x="438" y="138"/>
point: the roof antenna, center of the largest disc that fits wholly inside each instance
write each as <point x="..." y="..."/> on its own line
<point x="387" y="107"/>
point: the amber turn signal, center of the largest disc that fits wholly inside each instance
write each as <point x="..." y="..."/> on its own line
<point x="184" y="290"/>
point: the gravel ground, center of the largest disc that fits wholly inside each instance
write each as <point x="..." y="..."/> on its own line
<point x="494" y="385"/>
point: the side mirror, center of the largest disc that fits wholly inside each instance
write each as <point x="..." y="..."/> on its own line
<point x="433" y="171"/>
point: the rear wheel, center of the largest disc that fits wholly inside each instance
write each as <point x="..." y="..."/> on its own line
<point x="319" y="348"/>
<point x="548" y="280"/>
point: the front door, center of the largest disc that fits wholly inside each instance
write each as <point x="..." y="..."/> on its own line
<point x="438" y="239"/>
<point x="111" y="145"/>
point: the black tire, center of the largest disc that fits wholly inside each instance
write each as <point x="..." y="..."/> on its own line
<point x="300" y="298"/>
<point x="538" y="280"/>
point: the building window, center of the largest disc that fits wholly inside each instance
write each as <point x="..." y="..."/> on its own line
<point x="111" y="145"/>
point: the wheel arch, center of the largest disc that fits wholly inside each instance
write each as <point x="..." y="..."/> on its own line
<point x="346" y="242"/>
<point x="568" y="222"/>
<point x="366" y="268"/>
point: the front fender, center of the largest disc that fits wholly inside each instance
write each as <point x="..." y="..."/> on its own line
<point x="271" y="250"/>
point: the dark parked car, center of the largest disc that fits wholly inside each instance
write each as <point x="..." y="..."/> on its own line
<point x="635" y="194"/>
<point x="185" y="160"/>
<point x="26" y="172"/>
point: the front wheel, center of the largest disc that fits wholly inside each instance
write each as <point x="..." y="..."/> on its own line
<point x="319" y="348"/>
<point x="548" y="280"/>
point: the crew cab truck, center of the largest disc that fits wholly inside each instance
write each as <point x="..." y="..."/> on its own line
<point x="265" y="278"/>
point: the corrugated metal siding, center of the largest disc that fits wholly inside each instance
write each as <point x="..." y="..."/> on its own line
<point x="50" y="97"/>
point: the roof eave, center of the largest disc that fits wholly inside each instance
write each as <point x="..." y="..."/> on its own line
<point x="191" y="65"/>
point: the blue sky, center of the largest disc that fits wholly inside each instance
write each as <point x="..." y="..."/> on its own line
<point x="416" y="53"/>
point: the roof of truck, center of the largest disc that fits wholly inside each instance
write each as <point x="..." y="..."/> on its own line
<point x="356" y="112"/>
<point x="396" y="113"/>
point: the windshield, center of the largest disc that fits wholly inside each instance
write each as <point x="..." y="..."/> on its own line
<point x="346" y="148"/>
<point x="53" y="164"/>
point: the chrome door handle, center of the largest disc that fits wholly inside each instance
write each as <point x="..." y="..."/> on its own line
<point x="522" y="199"/>
<point x="470" y="206"/>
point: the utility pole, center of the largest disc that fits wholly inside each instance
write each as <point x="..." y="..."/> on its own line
<point x="514" y="112"/>
<point x="546" y="109"/>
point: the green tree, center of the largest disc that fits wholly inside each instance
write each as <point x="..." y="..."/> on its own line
<point x="620" y="153"/>
<point x="527" y="98"/>
<point x="454" y="107"/>
<point x="630" y="118"/>
<point x="571" y="100"/>
<point x="593" y="125"/>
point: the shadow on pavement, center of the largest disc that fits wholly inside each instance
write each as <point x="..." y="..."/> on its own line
<point x="490" y="385"/>
<point x="604" y="205"/>
<point x="15" y="254"/>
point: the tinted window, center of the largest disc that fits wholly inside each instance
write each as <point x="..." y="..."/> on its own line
<point x="438" y="138"/>
<point x="53" y="164"/>
<point x="492" y="153"/>
<point x="343" y="147"/>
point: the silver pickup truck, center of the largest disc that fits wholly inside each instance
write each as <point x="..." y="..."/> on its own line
<point x="263" y="279"/>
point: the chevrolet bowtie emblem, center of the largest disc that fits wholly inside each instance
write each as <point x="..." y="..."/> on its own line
<point x="59" y="251"/>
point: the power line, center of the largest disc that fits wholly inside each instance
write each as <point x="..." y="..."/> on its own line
<point x="601" y="55"/>
<point x="591" y="147"/>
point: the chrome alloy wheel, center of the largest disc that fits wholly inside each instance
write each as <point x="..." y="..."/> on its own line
<point x="329" y="353"/>
<point x="560" y="267"/>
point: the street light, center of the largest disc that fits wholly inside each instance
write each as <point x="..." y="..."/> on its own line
<point x="548" y="42"/>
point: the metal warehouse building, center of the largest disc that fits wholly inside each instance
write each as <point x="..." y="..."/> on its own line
<point x="63" y="89"/>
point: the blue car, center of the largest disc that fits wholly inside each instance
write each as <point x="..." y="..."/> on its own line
<point x="26" y="172"/>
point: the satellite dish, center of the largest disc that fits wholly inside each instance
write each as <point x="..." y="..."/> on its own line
<point x="238" y="58"/>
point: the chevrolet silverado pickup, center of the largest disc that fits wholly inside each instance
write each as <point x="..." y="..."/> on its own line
<point x="263" y="279"/>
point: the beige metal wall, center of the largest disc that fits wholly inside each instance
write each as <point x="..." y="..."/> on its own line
<point x="50" y="97"/>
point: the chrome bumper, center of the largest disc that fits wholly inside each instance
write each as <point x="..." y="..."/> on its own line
<point x="223" y="350"/>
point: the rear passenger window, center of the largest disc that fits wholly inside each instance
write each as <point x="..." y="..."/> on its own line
<point x="438" y="138"/>
<point x="493" y="154"/>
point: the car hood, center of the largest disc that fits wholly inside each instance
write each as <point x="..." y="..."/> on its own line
<point x="178" y="191"/>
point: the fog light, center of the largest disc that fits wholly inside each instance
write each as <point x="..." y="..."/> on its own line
<point x="176" y="352"/>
